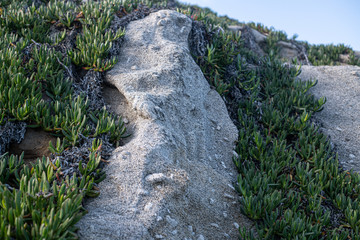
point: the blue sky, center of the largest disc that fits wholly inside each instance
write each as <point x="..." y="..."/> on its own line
<point x="315" y="21"/>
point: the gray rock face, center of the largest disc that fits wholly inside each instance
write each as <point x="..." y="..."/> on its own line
<point x="259" y="37"/>
<point x="288" y="50"/>
<point x="251" y="41"/>
<point x="357" y="54"/>
<point x="340" y="118"/>
<point x="173" y="179"/>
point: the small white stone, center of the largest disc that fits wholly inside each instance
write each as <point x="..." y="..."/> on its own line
<point x="174" y="232"/>
<point x="218" y="128"/>
<point x="156" y="178"/>
<point x="226" y="139"/>
<point x="212" y="201"/>
<point x="201" y="237"/>
<point x="148" y="206"/>
<point x="214" y="225"/>
<point x="229" y="196"/>
<point x="339" y="129"/>
<point x="134" y="67"/>
<point x="159" y="218"/>
<point x="236" y="225"/>
<point x="231" y="186"/>
<point x="235" y="154"/>
<point x="226" y="235"/>
<point x="158" y="187"/>
<point x="225" y="214"/>
<point x="190" y="228"/>
<point x="352" y="155"/>
<point x="223" y="164"/>
<point x="158" y="236"/>
<point x="125" y="120"/>
<point x="162" y="22"/>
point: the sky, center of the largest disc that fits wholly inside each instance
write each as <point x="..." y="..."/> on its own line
<point x="314" y="21"/>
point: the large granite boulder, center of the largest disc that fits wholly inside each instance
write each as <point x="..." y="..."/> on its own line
<point x="174" y="178"/>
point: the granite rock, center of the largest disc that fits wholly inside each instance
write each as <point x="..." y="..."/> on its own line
<point x="173" y="178"/>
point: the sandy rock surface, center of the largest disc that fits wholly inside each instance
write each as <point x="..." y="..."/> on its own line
<point x="340" y="118"/>
<point x="174" y="177"/>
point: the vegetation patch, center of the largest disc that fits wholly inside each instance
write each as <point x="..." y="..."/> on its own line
<point x="48" y="51"/>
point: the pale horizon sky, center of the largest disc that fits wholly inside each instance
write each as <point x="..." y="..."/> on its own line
<point x="314" y="21"/>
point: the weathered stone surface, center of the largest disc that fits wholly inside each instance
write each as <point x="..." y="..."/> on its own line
<point x="288" y="50"/>
<point x="344" y="58"/>
<point x="340" y="118"/>
<point x="259" y="37"/>
<point x="34" y="145"/>
<point x="252" y="42"/>
<point x="174" y="179"/>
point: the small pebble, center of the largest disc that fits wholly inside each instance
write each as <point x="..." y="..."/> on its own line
<point x="148" y="206"/>
<point x="235" y="154"/>
<point x="134" y="67"/>
<point x="158" y="219"/>
<point x="226" y="139"/>
<point x="231" y="186"/>
<point x="223" y="164"/>
<point x="125" y="120"/>
<point x="229" y="196"/>
<point x="201" y="237"/>
<point x="225" y="214"/>
<point x="218" y="128"/>
<point x="351" y="155"/>
<point x="162" y="22"/>
<point x="214" y="225"/>
<point x="158" y="236"/>
<point x="212" y="201"/>
<point x="236" y="225"/>
<point x="174" y="232"/>
<point x="339" y="129"/>
<point x="226" y="235"/>
<point x="155" y="178"/>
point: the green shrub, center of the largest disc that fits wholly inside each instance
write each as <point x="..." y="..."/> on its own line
<point x="40" y="201"/>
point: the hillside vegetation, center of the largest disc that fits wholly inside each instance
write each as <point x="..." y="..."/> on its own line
<point x="289" y="179"/>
